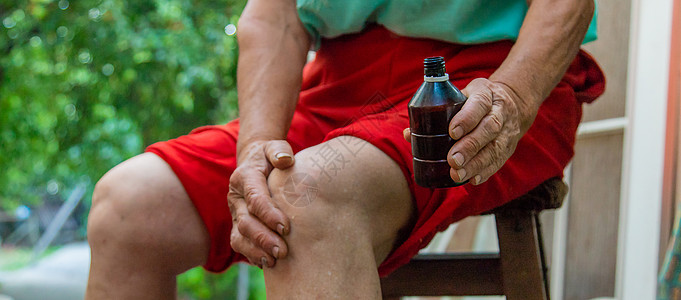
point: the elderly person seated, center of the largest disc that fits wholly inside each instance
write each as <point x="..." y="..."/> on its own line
<point x="314" y="182"/>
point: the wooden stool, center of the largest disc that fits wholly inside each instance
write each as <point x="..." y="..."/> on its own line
<point x="518" y="271"/>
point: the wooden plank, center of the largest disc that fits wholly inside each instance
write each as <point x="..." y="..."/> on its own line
<point x="446" y="274"/>
<point x="521" y="261"/>
<point x="593" y="218"/>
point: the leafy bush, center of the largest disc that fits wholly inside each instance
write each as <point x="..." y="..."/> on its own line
<point x="199" y="284"/>
<point x="87" y="84"/>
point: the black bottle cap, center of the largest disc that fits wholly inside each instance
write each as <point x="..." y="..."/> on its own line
<point x="434" y="66"/>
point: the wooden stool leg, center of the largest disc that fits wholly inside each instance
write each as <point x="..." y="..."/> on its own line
<point x="522" y="262"/>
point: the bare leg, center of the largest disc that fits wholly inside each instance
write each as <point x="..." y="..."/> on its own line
<point x="143" y="231"/>
<point x="343" y="222"/>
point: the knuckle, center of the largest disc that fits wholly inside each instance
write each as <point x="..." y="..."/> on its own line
<point x="235" y="240"/>
<point x="479" y="82"/>
<point x="495" y="124"/>
<point x="487" y="98"/>
<point x="238" y="172"/>
<point x="268" y="216"/>
<point x="234" y="236"/>
<point x="494" y="157"/>
<point x="232" y="199"/>
<point x="472" y="144"/>
<point x="260" y="238"/>
<point x="499" y="145"/>
<point x="483" y="102"/>
<point x="253" y="205"/>
<point x="232" y="210"/>
<point x="235" y="179"/>
<point x="475" y="165"/>
<point x="241" y="224"/>
<point x="252" y="195"/>
<point x="498" y="156"/>
<point x="512" y="107"/>
<point x="281" y="145"/>
<point x="259" y="208"/>
<point x="500" y="150"/>
<point x="230" y="203"/>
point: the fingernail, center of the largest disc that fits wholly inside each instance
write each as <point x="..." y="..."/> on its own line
<point x="461" y="173"/>
<point x="457" y="132"/>
<point x="477" y="179"/>
<point x="275" y="251"/>
<point x="263" y="260"/>
<point x="281" y="155"/>
<point x="458" y="159"/>
<point x="280" y="229"/>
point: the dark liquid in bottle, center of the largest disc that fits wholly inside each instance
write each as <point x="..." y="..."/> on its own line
<point x="430" y="111"/>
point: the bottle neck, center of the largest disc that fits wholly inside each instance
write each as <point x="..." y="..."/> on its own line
<point x="436" y="78"/>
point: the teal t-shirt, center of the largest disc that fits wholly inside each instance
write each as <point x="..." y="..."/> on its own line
<point x="455" y="21"/>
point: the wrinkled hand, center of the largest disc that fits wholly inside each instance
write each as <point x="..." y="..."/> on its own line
<point x="258" y="224"/>
<point x="487" y="128"/>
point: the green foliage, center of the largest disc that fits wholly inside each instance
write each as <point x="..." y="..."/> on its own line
<point x="87" y="84"/>
<point x="199" y="284"/>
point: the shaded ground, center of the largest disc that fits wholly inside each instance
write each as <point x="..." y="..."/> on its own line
<point x="59" y="276"/>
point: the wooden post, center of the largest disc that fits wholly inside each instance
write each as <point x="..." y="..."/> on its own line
<point x="521" y="257"/>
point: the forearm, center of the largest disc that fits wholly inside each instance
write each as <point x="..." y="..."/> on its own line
<point x="548" y="41"/>
<point x="273" y="47"/>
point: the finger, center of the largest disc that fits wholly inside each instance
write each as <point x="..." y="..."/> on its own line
<point x="280" y="154"/>
<point x="253" y="229"/>
<point x="477" y="106"/>
<point x="255" y="255"/>
<point x="458" y="175"/>
<point x="252" y="185"/>
<point x="488" y="161"/>
<point x="261" y="236"/>
<point x="489" y="129"/>
<point x="406" y="133"/>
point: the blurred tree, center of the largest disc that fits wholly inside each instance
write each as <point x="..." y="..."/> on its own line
<point x="87" y="84"/>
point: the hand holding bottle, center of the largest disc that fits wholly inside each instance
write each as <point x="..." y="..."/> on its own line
<point x="487" y="128"/>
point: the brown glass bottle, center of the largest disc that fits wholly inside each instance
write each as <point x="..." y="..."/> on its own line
<point x="430" y="111"/>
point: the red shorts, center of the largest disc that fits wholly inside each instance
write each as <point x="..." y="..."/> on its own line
<point x="360" y="85"/>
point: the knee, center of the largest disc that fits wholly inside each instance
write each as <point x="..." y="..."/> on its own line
<point x="115" y="218"/>
<point x="361" y="199"/>
<point x="301" y="189"/>
<point x="318" y="208"/>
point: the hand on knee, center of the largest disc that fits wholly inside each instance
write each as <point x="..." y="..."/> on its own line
<point x="258" y="224"/>
<point x="320" y="211"/>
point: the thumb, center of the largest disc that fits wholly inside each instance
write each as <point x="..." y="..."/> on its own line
<point x="280" y="154"/>
<point x="406" y="133"/>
